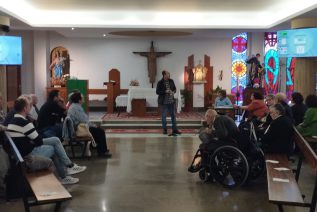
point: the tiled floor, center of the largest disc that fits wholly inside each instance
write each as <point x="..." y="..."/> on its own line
<point x="149" y="174"/>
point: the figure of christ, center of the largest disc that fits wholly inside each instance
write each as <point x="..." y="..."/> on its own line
<point x="151" y="59"/>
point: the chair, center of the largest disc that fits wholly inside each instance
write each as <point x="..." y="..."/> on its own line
<point x="71" y="139"/>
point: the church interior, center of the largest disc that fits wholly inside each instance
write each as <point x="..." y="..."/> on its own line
<point x="116" y="54"/>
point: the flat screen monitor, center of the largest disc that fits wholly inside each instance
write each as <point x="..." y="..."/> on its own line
<point x="10" y="50"/>
<point x="297" y="43"/>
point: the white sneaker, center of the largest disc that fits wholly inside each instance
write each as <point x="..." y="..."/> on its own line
<point x="68" y="180"/>
<point x="75" y="169"/>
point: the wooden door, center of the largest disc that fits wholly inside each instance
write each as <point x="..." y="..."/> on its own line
<point x="13" y="82"/>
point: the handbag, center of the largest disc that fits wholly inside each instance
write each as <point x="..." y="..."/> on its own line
<point x="83" y="131"/>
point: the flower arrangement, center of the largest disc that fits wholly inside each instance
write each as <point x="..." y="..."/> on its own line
<point x="134" y="83"/>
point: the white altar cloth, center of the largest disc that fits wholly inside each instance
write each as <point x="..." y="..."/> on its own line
<point x="122" y="101"/>
<point x="150" y="95"/>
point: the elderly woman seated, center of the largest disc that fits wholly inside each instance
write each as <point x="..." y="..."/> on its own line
<point x="222" y="100"/>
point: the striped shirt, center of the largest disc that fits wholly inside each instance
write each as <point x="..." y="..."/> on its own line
<point x="24" y="134"/>
<point x="169" y="99"/>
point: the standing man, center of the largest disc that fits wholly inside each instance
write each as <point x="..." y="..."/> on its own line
<point x="166" y="89"/>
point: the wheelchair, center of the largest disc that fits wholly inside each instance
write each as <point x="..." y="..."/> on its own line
<point x="234" y="162"/>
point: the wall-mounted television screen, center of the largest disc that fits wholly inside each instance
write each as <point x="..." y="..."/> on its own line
<point x="297" y="43"/>
<point x="10" y="50"/>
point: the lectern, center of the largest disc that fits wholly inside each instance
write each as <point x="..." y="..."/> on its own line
<point x="110" y="95"/>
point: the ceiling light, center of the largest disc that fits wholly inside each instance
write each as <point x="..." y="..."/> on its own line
<point x="104" y="35"/>
<point x="73" y="28"/>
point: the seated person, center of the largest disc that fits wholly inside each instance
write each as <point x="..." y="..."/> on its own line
<point x="78" y="115"/>
<point x="221" y="129"/>
<point x="34" y="112"/>
<point x="309" y="126"/>
<point x="222" y="100"/>
<point x="31" y="145"/>
<point x="281" y="98"/>
<point x="257" y="108"/>
<point x="278" y="136"/>
<point x="298" y="108"/>
<point x="50" y="116"/>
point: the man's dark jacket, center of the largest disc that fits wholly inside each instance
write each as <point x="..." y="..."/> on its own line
<point x="160" y="90"/>
<point x="278" y="138"/>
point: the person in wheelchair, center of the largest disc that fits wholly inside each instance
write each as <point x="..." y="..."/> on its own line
<point x="277" y="137"/>
<point x="220" y="130"/>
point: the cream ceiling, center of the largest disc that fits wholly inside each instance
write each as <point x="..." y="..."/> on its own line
<point x="104" y="15"/>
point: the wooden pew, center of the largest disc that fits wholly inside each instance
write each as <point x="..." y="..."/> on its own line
<point x="288" y="193"/>
<point x="45" y="187"/>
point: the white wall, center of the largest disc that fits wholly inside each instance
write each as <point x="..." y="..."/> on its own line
<point x="92" y="58"/>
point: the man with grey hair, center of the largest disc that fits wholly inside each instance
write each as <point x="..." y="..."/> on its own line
<point x="220" y="130"/>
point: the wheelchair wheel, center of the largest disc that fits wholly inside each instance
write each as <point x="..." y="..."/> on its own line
<point x="229" y="166"/>
<point x="256" y="164"/>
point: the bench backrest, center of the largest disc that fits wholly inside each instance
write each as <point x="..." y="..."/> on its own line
<point x="15" y="152"/>
<point x="306" y="150"/>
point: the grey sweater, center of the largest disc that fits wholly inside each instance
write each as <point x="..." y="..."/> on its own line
<point x="77" y="114"/>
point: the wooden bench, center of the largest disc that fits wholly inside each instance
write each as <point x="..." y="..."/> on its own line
<point x="45" y="187"/>
<point x="312" y="141"/>
<point x="288" y="193"/>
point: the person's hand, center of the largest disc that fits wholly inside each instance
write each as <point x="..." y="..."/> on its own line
<point x="236" y="106"/>
<point x="208" y="130"/>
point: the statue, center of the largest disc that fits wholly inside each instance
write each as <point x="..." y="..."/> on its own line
<point x="59" y="66"/>
<point x="199" y="73"/>
<point x="151" y="59"/>
<point x="255" y="72"/>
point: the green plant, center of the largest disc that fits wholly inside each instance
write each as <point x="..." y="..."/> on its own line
<point x="218" y="88"/>
<point x="187" y="94"/>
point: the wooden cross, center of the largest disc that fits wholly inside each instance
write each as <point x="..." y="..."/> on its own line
<point x="151" y="60"/>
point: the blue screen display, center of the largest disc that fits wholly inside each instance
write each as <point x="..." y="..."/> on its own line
<point x="10" y="50"/>
<point x="297" y="43"/>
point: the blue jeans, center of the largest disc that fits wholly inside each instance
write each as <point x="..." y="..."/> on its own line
<point x="53" y="148"/>
<point x="51" y="131"/>
<point x="171" y="109"/>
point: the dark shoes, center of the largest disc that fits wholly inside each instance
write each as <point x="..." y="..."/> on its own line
<point x="177" y="132"/>
<point x="165" y="131"/>
<point x="194" y="168"/>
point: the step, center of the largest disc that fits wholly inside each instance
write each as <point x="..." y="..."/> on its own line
<point x="148" y="126"/>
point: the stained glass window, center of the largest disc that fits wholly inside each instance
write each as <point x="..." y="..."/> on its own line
<point x="271" y="63"/>
<point x="239" y="56"/>
<point x="290" y="69"/>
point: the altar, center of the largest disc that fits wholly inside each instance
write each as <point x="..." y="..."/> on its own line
<point x="150" y="96"/>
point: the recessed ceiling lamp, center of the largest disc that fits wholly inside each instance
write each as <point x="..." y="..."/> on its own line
<point x="73" y="28"/>
<point x="104" y="35"/>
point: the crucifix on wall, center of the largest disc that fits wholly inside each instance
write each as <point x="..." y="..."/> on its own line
<point x="151" y="59"/>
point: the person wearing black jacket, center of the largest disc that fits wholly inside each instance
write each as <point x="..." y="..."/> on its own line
<point x="278" y="136"/>
<point x="165" y="90"/>
<point x="299" y="108"/>
<point x="50" y="116"/>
